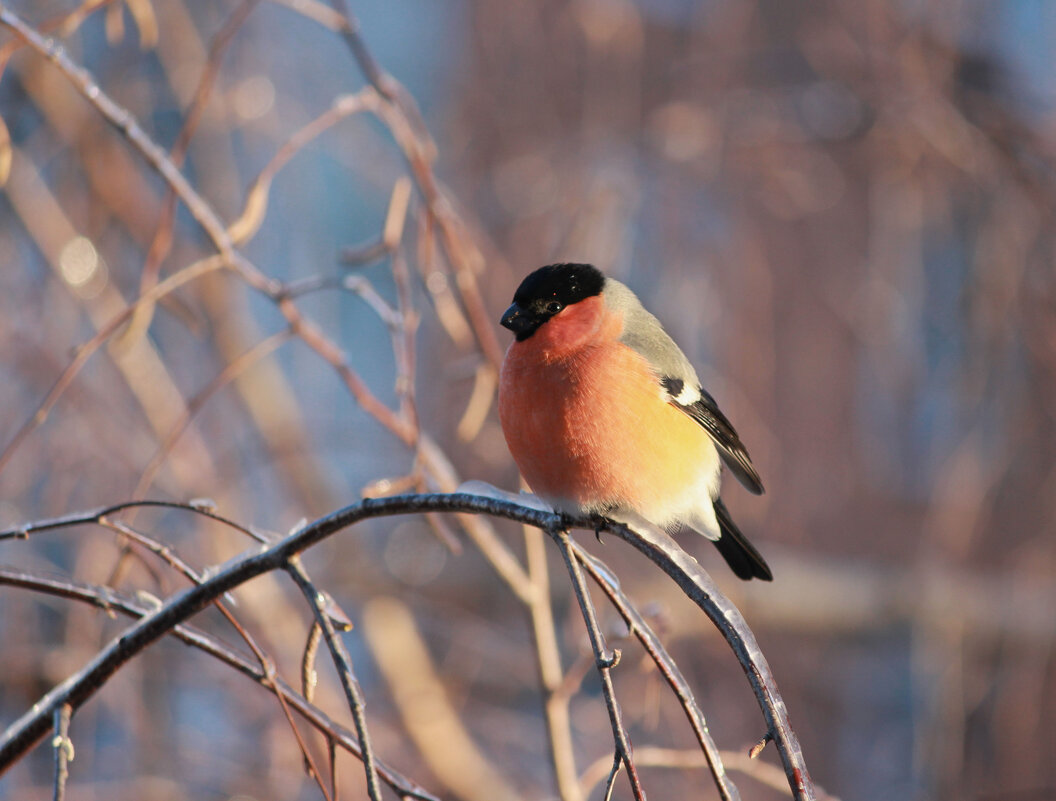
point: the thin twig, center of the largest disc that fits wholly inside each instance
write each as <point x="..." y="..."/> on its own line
<point x="401" y="115"/>
<point x="65" y="26"/>
<point x="126" y="123"/>
<point x="255" y="207"/>
<point x="211" y="223"/>
<point x="162" y="241"/>
<point x="331" y="749"/>
<point x="85" y="350"/>
<point x="233" y="370"/>
<point x="403" y="344"/>
<point x="461" y="254"/>
<point x="96" y="515"/>
<point x="699" y="587"/>
<point x="614" y="771"/>
<point x="367" y="253"/>
<point x="267" y="664"/>
<point x="63" y="746"/>
<point x="548" y="664"/>
<point x="309" y="677"/>
<point x="640" y="628"/>
<point x="604" y="661"/>
<point x="343" y="663"/>
<point x="380" y="80"/>
<point x="109" y="600"/>
<point x="308" y="681"/>
<point x="652" y="756"/>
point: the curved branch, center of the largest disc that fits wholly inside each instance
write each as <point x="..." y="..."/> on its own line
<point x="343" y="662"/>
<point x="96" y="515"/>
<point x="638" y="626"/>
<point x="658" y="547"/>
<point x="604" y="661"/>
<point x="699" y="587"/>
<point x="110" y="600"/>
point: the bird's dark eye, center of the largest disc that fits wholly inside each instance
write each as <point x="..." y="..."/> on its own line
<point x="553" y="307"/>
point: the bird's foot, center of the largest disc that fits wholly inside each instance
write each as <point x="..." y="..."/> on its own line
<point x="600" y="523"/>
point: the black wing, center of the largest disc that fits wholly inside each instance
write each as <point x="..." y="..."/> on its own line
<point x="706" y="412"/>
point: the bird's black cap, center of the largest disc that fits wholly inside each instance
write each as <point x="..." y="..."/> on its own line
<point x="546" y="292"/>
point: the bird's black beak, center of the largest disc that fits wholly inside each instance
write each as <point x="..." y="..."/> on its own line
<point x="518" y="320"/>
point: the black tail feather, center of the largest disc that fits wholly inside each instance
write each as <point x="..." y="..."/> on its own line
<point x="746" y="562"/>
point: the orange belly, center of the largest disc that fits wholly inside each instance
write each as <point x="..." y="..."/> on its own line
<point x="592" y="431"/>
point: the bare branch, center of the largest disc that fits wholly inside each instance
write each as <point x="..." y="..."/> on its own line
<point x="548" y="663"/>
<point x="96" y="515"/>
<point x="652" y="756"/>
<point x="110" y="600"/>
<point x="343" y="663"/>
<point x="664" y="663"/>
<point x="604" y="661"/>
<point x="63" y="746"/>
<point x="255" y="207"/>
<point x="162" y="242"/>
<point x="211" y="223"/>
<point x="701" y="589"/>
<point x="659" y="548"/>
<point x="85" y="351"/>
<point x="121" y="119"/>
<point x="233" y="370"/>
<point x="350" y="33"/>
<point x="168" y="555"/>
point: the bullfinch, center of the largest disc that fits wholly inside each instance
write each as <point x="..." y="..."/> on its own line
<point x="604" y="414"/>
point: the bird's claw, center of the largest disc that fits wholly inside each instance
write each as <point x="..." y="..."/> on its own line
<point x="600" y="523"/>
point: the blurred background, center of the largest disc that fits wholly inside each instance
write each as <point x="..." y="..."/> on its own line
<point x="842" y="210"/>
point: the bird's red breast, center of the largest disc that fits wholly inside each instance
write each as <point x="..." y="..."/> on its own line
<point x="587" y="422"/>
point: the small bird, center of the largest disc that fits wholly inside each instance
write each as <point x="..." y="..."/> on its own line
<point x="604" y="414"/>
